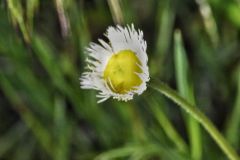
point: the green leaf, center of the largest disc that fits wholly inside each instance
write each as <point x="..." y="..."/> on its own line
<point x="186" y="90"/>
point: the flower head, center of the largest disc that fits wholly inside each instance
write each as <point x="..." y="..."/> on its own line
<point x="118" y="69"/>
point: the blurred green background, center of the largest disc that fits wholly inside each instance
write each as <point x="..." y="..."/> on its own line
<point x="193" y="45"/>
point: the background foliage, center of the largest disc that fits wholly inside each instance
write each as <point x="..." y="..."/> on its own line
<point x="192" y="45"/>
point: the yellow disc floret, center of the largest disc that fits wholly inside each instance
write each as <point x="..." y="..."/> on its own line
<point x="120" y="72"/>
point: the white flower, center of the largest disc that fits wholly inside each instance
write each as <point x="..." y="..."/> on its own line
<point x="118" y="69"/>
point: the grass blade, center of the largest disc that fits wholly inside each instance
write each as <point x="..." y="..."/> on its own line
<point x="167" y="126"/>
<point x="186" y="90"/>
<point x="233" y="124"/>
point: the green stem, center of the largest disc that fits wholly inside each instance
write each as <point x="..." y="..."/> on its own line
<point x="199" y="116"/>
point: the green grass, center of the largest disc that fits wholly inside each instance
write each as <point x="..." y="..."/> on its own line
<point x="45" y="115"/>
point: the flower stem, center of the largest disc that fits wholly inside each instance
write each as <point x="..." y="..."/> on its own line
<point x="199" y="116"/>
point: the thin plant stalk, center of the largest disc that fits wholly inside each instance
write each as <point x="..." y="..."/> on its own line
<point x="199" y="116"/>
<point x="116" y="11"/>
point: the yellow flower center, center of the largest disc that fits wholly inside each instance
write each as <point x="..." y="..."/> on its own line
<point x="121" y="72"/>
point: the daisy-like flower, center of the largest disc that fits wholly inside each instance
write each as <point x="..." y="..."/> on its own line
<point x="119" y="68"/>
